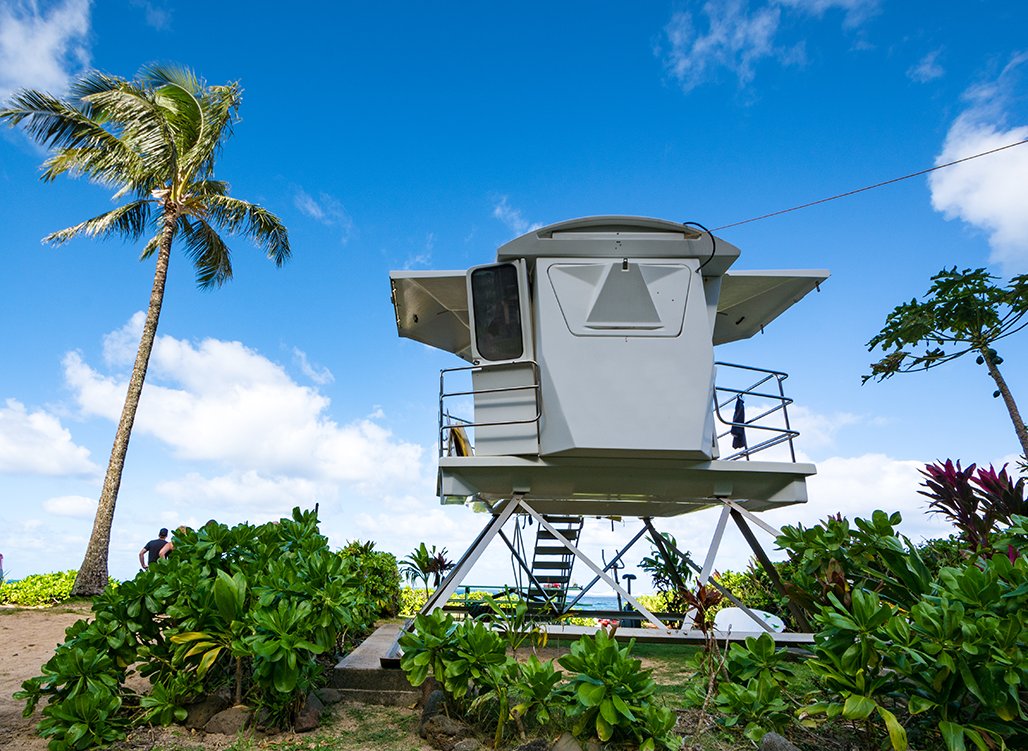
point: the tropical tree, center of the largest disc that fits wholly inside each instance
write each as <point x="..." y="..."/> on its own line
<point x="962" y="312"/>
<point x="154" y="141"/>
<point x="423" y="564"/>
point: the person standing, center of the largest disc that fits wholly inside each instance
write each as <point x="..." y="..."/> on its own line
<point x="152" y="549"/>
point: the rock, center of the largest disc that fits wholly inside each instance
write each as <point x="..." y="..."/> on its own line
<point x="567" y="742"/>
<point x="468" y="744"/>
<point x="198" y="714"/>
<point x="536" y="744"/>
<point x="443" y="732"/>
<point x="433" y="704"/>
<point x="775" y="742"/>
<point x="329" y="695"/>
<point x="593" y="745"/>
<point x="231" y="721"/>
<point x="308" y="717"/>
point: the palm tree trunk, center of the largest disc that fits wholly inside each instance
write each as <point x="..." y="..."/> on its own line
<point x="92" y="575"/>
<point x="1008" y="399"/>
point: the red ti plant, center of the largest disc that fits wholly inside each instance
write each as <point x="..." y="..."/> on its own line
<point x="974" y="502"/>
<point x="703" y="600"/>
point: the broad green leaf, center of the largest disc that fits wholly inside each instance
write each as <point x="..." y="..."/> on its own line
<point x="897" y="735"/>
<point x="919" y="704"/>
<point x="952" y="735"/>
<point x="207" y="660"/>
<point x="590" y="694"/>
<point x="858" y="707"/>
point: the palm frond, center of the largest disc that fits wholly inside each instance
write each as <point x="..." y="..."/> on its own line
<point x="90" y="83"/>
<point x="153" y="244"/>
<point x="128" y="221"/>
<point x="177" y="91"/>
<point x="143" y="127"/>
<point x="219" y="105"/>
<point x="254" y="222"/>
<point x="207" y="251"/>
<point x="54" y="123"/>
<point x="157" y="75"/>
<point x="114" y="167"/>
<point x="206" y="188"/>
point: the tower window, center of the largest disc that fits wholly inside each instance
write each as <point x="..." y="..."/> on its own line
<point x="496" y="301"/>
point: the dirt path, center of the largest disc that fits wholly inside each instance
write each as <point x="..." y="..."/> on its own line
<point x="27" y="640"/>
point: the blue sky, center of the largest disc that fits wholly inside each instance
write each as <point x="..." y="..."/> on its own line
<point x="415" y="135"/>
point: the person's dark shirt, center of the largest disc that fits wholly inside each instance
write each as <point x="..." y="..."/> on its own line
<point x="153" y="550"/>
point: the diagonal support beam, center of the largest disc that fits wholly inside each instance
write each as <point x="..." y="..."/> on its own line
<point x="606" y="568"/>
<point x="772" y="572"/>
<point x="746" y="513"/>
<point x="731" y="598"/>
<point x="715" y="544"/>
<point x="442" y="595"/>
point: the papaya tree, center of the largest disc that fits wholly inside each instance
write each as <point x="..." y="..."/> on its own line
<point x="963" y="312"/>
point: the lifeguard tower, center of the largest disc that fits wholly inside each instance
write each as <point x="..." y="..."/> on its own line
<point x="595" y="392"/>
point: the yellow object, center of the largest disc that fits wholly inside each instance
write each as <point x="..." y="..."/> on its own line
<point x="459" y="443"/>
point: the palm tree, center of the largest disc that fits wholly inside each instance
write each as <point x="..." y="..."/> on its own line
<point x="155" y="140"/>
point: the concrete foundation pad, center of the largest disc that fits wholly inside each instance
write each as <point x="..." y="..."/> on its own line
<point x="360" y="676"/>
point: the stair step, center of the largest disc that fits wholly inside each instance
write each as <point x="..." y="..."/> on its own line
<point x="551" y="565"/>
<point x="552" y="579"/>
<point x="567" y="534"/>
<point x="551" y="550"/>
<point x="563" y="519"/>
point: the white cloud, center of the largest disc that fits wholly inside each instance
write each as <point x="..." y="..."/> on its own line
<point x="855" y="11"/>
<point x="42" y="48"/>
<point x="988" y="193"/>
<point x="326" y="210"/>
<point x="76" y="506"/>
<point x="927" y="68"/>
<point x="422" y="259"/>
<point x="266" y="496"/>
<point x="318" y="375"/>
<point x="735" y="35"/>
<point x="221" y="402"/>
<point x="157" y="16"/>
<point x="120" y="346"/>
<point x="512" y="217"/>
<point x="35" y="443"/>
<point x="735" y="39"/>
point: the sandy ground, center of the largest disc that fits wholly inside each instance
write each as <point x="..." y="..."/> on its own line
<point x="27" y="640"/>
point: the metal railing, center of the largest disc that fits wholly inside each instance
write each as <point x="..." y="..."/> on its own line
<point x="779" y="403"/>
<point x="448" y="423"/>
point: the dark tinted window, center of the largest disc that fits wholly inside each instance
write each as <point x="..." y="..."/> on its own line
<point x="497" y="308"/>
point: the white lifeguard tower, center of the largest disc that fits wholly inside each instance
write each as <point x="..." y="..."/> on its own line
<point x="595" y="390"/>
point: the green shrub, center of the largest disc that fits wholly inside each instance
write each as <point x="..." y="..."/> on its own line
<point x="943" y="652"/>
<point x="376" y="573"/>
<point x="38" y="589"/>
<point x="608" y="694"/>
<point x="411" y="601"/>
<point x="254" y="609"/>
<point x="612" y="694"/>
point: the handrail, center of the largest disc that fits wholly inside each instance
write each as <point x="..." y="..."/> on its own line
<point x="445" y="428"/>
<point x="782" y="402"/>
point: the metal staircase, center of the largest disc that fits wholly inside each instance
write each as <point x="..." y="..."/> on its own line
<point x="552" y="563"/>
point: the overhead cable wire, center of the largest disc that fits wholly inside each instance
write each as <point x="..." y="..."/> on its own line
<point x="871" y="187"/>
